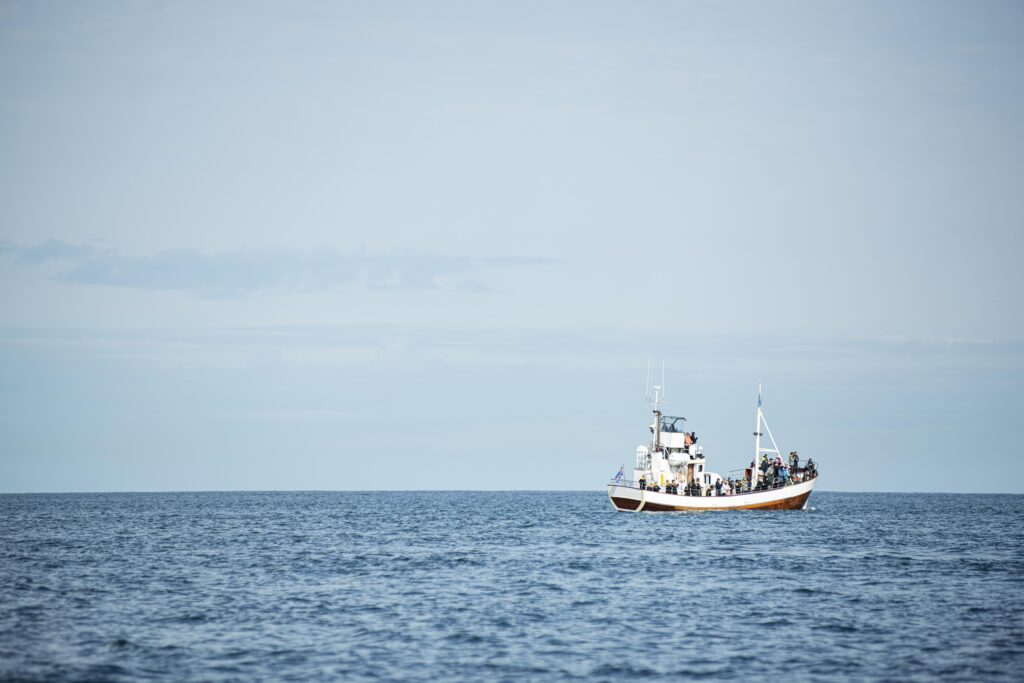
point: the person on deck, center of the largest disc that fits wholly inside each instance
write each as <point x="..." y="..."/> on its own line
<point x="794" y="462"/>
<point x="718" y="487"/>
<point x="643" y="483"/>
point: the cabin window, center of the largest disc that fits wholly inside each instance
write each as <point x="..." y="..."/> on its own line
<point x="672" y="424"/>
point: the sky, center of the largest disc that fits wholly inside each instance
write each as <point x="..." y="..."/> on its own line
<point x="399" y="245"/>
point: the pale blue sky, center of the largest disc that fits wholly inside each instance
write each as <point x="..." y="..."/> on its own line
<point x="266" y="246"/>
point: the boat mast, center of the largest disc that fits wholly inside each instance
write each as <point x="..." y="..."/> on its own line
<point x="657" y="398"/>
<point x="757" y="431"/>
<point x="757" y="428"/>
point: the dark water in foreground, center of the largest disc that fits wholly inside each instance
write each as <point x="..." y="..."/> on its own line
<point x="507" y="586"/>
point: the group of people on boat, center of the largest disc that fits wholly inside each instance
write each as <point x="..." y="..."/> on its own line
<point x="690" y="489"/>
<point x="776" y="473"/>
<point x="768" y="474"/>
<point x="722" y="487"/>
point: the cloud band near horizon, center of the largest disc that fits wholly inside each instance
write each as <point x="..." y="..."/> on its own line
<point x="248" y="270"/>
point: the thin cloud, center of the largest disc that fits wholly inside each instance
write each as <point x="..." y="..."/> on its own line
<point x="249" y="270"/>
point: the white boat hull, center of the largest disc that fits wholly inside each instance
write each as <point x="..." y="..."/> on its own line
<point x="630" y="499"/>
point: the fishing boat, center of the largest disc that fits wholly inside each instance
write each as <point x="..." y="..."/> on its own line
<point x="671" y="474"/>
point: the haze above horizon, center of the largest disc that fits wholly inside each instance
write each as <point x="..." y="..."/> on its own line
<point x="342" y="246"/>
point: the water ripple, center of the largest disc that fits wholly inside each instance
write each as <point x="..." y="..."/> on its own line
<point x="507" y="586"/>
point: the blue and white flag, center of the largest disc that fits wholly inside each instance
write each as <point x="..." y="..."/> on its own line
<point x="619" y="475"/>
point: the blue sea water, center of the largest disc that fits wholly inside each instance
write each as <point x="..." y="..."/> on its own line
<point x="507" y="586"/>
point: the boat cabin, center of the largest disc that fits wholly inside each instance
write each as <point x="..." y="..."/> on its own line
<point x="673" y="455"/>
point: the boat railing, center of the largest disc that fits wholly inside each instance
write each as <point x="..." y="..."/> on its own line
<point x="805" y="475"/>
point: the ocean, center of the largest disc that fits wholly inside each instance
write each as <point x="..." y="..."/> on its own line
<point x="507" y="586"/>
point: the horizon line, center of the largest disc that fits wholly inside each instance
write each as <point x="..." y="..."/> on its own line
<point x="167" y="491"/>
